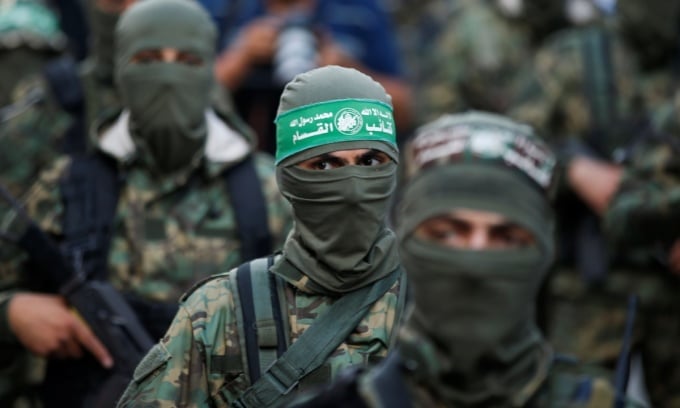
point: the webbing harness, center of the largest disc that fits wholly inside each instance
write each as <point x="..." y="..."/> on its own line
<point x="273" y="378"/>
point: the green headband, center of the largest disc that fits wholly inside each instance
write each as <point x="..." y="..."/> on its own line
<point x="334" y="121"/>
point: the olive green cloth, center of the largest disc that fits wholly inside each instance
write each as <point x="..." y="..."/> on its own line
<point x="332" y="83"/>
<point x="167" y="100"/>
<point x="475" y="309"/>
<point x="340" y="241"/>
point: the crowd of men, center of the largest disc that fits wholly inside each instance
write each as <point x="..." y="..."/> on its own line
<point x="325" y="203"/>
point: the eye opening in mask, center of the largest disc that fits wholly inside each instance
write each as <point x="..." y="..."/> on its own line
<point x="168" y="55"/>
<point x="476" y="230"/>
<point x="342" y="158"/>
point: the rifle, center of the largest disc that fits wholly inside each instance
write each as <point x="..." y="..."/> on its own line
<point x="101" y="306"/>
<point x="623" y="362"/>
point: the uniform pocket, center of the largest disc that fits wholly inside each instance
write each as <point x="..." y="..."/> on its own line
<point x="155" y="359"/>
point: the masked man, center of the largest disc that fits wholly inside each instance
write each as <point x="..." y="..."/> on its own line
<point x="332" y="298"/>
<point x="475" y="232"/>
<point x="172" y="194"/>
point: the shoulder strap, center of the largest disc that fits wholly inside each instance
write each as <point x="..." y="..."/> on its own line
<point x="314" y="346"/>
<point x="262" y="327"/>
<point x="250" y="209"/>
<point x="90" y="193"/>
<point x="63" y="78"/>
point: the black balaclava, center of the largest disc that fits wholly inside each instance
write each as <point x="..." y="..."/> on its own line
<point x="472" y="332"/>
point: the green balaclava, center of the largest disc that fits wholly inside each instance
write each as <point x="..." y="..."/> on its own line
<point x="340" y="241"/>
<point x="167" y="100"/>
<point x="472" y="326"/>
<point x="652" y="28"/>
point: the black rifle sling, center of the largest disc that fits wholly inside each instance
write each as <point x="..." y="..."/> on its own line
<point x="314" y="346"/>
<point x="250" y="210"/>
<point x="64" y="80"/>
<point x="90" y="195"/>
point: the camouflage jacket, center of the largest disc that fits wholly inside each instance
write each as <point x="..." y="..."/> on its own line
<point x="170" y="231"/>
<point x="563" y="383"/>
<point x="477" y="61"/>
<point x="647" y="200"/>
<point x="200" y="360"/>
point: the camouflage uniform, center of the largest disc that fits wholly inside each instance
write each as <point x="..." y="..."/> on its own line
<point x="590" y="95"/>
<point x="564" y="383"/>
<point x="470" y="339"/>
<point x="340" y="286"/>
<point x="29" y="38"/>
<point x="478" y="60"/>
<point x="170" y="232"/>
<point x="206" y="330"/>
<point x="647" y="204"/>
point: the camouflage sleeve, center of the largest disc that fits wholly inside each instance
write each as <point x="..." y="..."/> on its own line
<point x="278" y="208"/>
<point x="542" y="95"/>
<point x="190" y="364"/>
<point x="172" y="373"/>
<point x="32" y="129"/>
<point x="42" y="204"/>
<point x="646" y="208"/>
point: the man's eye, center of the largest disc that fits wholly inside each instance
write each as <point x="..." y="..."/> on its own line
<point x="323" y="165"/>
<point x="146" y="57"/>
<point x="372" y="159"/>
<point x="190" y="59"/>
<point x="512" y="238"/>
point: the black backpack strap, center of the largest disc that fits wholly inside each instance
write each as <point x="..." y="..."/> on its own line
<point x="90" y="193"/>
<point x="314" y="346"/>
<point x="250" y="209"/>
<point x="63" y="77"/>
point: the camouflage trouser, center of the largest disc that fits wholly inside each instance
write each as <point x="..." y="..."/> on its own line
<point x="589" y="323"/>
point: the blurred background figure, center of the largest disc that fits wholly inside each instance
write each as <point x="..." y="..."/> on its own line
<point x="594" y="94"/>
<point x="476" y="57"/>
<point x="29" y="39"/>
<point x="52" y="102"/>
<point x="281" y="38"/>
<point x="178" y="161"/>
